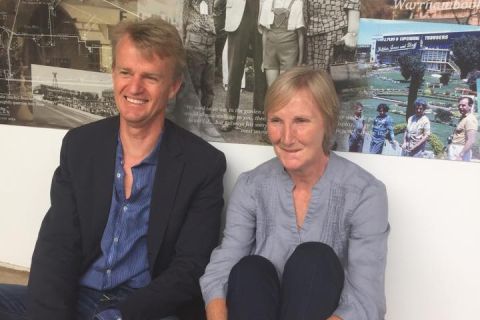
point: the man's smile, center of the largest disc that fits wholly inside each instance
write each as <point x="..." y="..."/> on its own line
<point x="136" y="101"/>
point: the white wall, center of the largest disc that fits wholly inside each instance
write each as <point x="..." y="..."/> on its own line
<point x="433" y="267"/>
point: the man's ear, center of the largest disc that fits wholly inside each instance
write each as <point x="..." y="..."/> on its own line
<point x="176" y="86"/>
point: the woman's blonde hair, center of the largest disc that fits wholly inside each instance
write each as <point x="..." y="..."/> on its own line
<point x="319" y="84"/>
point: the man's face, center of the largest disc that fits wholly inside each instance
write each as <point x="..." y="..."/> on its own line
<point x="358" y="111"/>
<point x="463" y="106"/>
<point x="142" y="85"/>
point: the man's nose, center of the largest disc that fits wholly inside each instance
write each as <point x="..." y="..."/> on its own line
<point x="135" y="85"/>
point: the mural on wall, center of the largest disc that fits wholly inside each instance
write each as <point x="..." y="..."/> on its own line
<point x="55" y="60"/>
<point x="400" y="79"/>
<point x="419" y="98"/>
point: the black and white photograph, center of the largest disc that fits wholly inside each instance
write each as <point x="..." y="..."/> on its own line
<point x="70" y="34"/>
<point x="66" y="98"/>
<point x="234" y="50"/>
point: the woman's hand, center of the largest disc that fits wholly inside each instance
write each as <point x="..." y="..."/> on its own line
<point x="349" y="40"/>
<point x="217" y="309"/>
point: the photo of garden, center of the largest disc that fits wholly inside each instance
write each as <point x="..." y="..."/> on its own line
<point x="410" y="69"/>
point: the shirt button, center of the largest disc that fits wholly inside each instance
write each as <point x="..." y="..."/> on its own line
<point x="119" y="175"/>
<point x="109" y="272"/>
<point x="125" y="208"/>
<point x="115" y="239"/>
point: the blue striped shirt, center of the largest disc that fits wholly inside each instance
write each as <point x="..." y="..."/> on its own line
<point x="124" y="257"/>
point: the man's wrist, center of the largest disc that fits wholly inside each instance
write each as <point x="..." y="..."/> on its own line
<point x="109" y="314"/>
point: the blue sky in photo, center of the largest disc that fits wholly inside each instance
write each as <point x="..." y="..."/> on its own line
<point x="376" y="27"/>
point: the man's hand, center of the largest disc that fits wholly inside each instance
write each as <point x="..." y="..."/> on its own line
<point x="334" y="317"/>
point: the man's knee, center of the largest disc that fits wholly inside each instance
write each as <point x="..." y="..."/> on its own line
<point x="13" y="302"/>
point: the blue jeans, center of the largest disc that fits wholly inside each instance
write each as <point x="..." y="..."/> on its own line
<point x="13" y="301"/>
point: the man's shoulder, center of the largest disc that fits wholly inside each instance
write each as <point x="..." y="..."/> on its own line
<point x="471" y="118"/>
<point x="95" y="129"/>
<point x="192" y="146"/>
<point x="89" y="136"/>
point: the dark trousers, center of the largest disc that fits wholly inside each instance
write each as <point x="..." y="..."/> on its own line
<point x="310" y="288"/>
<point x="239" y="42"/>
<point x="13" y="302"/>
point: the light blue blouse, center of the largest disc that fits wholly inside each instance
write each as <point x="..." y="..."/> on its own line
<point x="348" y="211"/>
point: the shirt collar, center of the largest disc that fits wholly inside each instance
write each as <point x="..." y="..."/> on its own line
<point x="151" y="159"/>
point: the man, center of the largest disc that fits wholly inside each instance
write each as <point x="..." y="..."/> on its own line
<point x="199" y="37"/>
<point x="465" y="133"/>
<point x="417" y="131"/>
<point x="241" y="25"/>
<point x="134" y="251"/>
<point x="219" y="14"/>
<point x="357" y="135"/>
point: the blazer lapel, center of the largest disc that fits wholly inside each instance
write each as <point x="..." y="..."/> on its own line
<point x="167" y="178"/>
<point x="103" y="175"/>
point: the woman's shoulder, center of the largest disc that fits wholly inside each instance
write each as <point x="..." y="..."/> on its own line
<point x="266" y="168"/>
<point x="263" y="171"/>
<point x="347" y="173"/>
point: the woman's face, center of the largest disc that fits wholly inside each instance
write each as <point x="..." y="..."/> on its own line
<point x="382" y="112"/>
<point x="419" y="110"/>
<point x="297" y="133"/>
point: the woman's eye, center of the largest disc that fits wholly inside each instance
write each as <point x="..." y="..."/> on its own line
<point x="301" y="120"/>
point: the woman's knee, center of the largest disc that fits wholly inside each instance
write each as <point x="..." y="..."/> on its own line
<point x="253" y="289"/>
<point x="316" y="256"/>
<point x="252" y="267"/>
<point x="314" y="250"/>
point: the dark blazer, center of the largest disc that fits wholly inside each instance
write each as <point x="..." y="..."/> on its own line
<point x="184" y="223"/>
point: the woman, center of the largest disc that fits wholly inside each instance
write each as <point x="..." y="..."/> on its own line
<point x="417" y="131"/>
<point x="382" y="129"/>
<point x="306" y="232"/>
